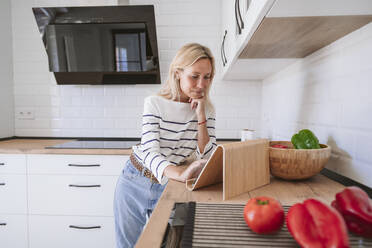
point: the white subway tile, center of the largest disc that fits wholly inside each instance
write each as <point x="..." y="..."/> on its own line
<point x="106" y="101"/>
<point x="38" y="132"/>
<point x="70" y="90"/>
<point x="118" y="133"/>
<point x="354" y="169"/>
<point x="70" y="112"/>
<point x="132" y="133"/>
<point x="92" y="90"/>
<point x="29" y="124"/>
<point x="133" y="112"/>
<point x="81" y="101"/>
<point x="363" y="147"/>
<point x="47" y="112"/>
<point x="357" y="114"/>
<point x="115" y="112"/>
<point x="114" y="90"/>
<point x="71" y="123"/>
<point x="163" y="44"/>
<point x="131" y="123"/>
<point x="103" y="123"/>
<point x="127" y="101"/>
<point x="92" y="112"/>
<point x="84" y="132"/>
<point x="228" y="134"/>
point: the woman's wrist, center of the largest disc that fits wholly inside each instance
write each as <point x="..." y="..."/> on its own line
<point x="201" y="118"/>
<point x="174" y="172"/>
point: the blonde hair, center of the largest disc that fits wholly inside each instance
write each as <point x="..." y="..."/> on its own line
<point x="186" y="56"/>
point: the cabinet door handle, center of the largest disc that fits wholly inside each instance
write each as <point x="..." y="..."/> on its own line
<point x="224" y="60"/>
<point x="240" y="16"/>
<point x="85" y="186"/>
<point x="2" y="184"/>
<point x="2" y="224"/>
<point x="84" y="165"/>
<point x="236" y="17"/>
<point x="84" y="227"/>
<point x="2" y="164"/>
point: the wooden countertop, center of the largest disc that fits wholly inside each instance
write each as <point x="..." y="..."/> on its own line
<point x="37" y="146"/>
<point x="287" y="192"/>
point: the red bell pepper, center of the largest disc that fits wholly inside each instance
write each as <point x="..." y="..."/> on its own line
<point x="314" y="224"/>
<point x="356" y="208"/>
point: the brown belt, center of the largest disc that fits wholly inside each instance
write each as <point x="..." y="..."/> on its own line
<point x="146" y="172"/>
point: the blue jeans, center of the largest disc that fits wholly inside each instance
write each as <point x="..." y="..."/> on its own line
<point x="135" y="198"/>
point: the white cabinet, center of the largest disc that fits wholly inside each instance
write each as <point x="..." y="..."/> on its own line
<point x="12" y="164"/>
<point x="71" y="231"/>
<point x="13" y="201"/>
<point x="276" y="33"/>
<point x="240" y="19"/>
<point x="71" y="198"/>
<point x="58" y="200"/>
<point x="13" y="194"/>
<point x="71" y="195"/>
<point x="228" y="31"/>
<point x="13" y="231"/>
<point x="76" y="164"/>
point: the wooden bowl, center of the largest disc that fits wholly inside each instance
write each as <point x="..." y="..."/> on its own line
<point x="294" y="164"/>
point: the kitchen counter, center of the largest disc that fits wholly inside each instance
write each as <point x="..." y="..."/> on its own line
<point x="37" y="146"/>
<point x="287" y="192"/>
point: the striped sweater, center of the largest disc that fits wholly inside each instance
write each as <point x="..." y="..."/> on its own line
<point x="169" y="135"/>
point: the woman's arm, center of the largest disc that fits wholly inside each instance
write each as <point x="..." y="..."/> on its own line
<point x="203" y="136"/>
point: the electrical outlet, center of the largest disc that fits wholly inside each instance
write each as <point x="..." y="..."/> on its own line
<point x="25" y="114"/>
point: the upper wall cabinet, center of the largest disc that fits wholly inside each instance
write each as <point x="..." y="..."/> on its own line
<point x="262" y="37"/>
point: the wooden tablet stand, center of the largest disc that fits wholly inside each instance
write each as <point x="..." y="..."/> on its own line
<point x="240" y="166"/>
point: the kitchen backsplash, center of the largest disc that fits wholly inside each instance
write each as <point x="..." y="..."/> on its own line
<point x="330" y="93"/>
<point x="115" y="111"/>
<point x="6" y="80"/>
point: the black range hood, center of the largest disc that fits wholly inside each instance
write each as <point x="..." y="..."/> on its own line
<point x="100" y="45"/>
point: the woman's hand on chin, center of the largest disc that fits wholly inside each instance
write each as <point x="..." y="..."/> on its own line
<point x="198" y="104"/>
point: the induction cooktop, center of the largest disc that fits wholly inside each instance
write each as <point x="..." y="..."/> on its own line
<point x="96" y="144"/>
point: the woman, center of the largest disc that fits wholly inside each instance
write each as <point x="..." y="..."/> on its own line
<point x="177" y="123"/>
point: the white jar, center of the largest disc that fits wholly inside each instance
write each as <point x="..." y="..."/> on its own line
<point x="247" y="134"/>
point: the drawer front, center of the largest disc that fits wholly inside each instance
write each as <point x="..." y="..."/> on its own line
<point x="64" y="231"/>
<point x="71" y="195"/>
<point x="76" y="164"/>
<point x="13" y="194"/>
<point x="12" y="164"/>
<point x="13" y="231"/>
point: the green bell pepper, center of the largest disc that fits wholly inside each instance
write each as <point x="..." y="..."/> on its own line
<point x="305" y="139"/>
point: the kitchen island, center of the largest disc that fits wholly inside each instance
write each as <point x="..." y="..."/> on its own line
<point x="287" y="192"/>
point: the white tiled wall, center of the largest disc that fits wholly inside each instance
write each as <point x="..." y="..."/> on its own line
<point x="115" y="111"/>
<point x="6" y="72"/>
<point x="328" y="92"/>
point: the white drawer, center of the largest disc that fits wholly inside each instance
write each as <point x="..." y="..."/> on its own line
<point x="13" y="231"/>
<point x="76" y="164"/>
<point x="13" y="194"/>
<point x="55" y="195"/>
<point x="12" y="164"/>
<point x="56" y="232"/>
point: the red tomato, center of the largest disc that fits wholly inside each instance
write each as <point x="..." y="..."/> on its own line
<point x="264" y="214"/>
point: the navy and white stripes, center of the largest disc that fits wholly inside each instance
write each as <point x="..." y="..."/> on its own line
<point x="169" y="135"/>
